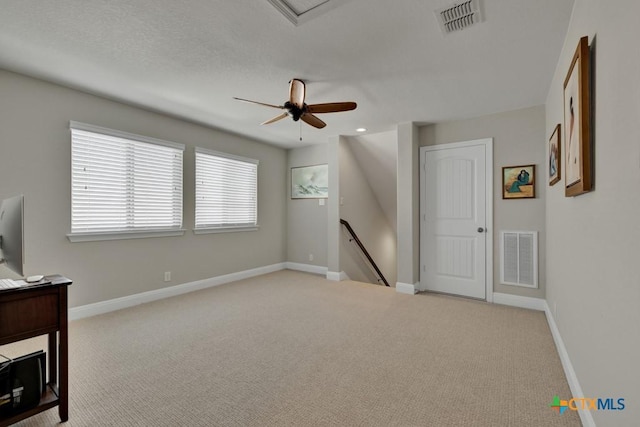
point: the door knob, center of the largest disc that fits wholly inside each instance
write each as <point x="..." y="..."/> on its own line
<point x="480" y="229"/>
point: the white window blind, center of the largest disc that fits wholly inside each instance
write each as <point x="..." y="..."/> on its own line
<point x="123" y="182"/>
<point x="226" y="191"/>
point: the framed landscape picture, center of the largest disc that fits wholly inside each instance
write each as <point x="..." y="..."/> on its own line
<point x="577" y="126"/>
<point x="555" y="154"/>
<point x="518" y="182"/>
<point x="310" y="182"/>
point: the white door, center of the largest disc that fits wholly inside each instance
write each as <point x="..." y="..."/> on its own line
<point x="455" y="212"/>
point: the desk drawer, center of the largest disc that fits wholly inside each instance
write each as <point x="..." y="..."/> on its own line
<point x="27" y="316"/>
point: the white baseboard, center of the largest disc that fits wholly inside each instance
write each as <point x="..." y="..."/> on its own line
<point x="406" y="288"/>
<point x="337" y="276"/>
<point x="569" y="372"/>
<point x="519" y="301"/>
<point x="102" y="307"/>
<point x="307" y="268"/>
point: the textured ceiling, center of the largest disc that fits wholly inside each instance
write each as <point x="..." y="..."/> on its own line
<point x="189" y="58"/>
<point x="302" y="6"/>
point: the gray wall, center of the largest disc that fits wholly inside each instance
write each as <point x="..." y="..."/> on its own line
<point x="333" y="207"/>
<point x="359" y="206"/>
<point x="377" y="155"/>
<point x="518" y="139"/>
<point x="306" y="218"/>
<point x="35" y="160"/>
<point x="408" y="202"/>
<point x="593" y="248"/>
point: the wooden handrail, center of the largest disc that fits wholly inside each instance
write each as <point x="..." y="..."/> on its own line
<point x="364" y="250"/>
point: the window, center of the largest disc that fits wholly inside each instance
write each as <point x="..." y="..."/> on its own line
<point x="123" y="185"/>
<point x="226" y="192"/>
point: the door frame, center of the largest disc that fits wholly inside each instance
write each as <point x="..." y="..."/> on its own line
<point x="488" y="157"/>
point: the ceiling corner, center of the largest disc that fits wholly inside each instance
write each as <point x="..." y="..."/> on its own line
<point x="301" y="11"/>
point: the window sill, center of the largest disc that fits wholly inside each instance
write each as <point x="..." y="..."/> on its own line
<point x="122" y="235"/>
<point x="211" y="230"/>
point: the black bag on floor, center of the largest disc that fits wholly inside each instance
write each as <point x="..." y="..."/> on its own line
<point x="22" y="382"/>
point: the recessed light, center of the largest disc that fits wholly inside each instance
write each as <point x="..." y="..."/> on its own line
<point x="361" y="130"/>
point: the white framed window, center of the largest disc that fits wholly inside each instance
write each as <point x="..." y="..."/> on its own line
<point x="123" y="185"/>
<point x="226" y="192"/>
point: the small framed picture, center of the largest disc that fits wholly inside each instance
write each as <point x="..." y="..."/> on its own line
<point x="577" y="126"/>
<point x="555" y="156"/>
<point x="310" y="182"/>
<point x="519" y="182"/>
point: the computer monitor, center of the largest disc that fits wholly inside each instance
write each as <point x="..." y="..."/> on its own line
<point x="11" y="234"/>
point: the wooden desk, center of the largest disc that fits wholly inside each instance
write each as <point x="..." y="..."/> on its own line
<point x="35" y="310"/>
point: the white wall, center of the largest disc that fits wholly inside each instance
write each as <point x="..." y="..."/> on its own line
<point x="306" y="218"/>
<point x="518" y="139"/>
<point x="377" y="156"/>
<point x="35" y="160"/>
<point x="360" y="207"/>
<point x="593" y="247"/>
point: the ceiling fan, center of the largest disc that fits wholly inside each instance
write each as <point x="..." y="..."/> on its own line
<point x="297" y="109"/>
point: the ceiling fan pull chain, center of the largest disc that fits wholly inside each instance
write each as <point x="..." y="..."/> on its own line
<point x="300" y="131"/>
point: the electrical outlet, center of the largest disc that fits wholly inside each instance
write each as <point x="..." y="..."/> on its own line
<point x="310" y="257"/>
<point x="167" y="276"/>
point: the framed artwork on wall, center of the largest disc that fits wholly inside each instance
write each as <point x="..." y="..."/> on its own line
<point x="519" y="182"/>
<point x="555" y="153"/>
<point x="577" y="126"/>
<point x="310" y="182"/>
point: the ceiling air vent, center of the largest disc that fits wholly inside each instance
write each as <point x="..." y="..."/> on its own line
<point x="459" y="16"/>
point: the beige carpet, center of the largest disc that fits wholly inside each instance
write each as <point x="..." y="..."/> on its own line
<point x="292" y="349"/>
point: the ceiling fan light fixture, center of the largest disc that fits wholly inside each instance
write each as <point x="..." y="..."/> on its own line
<point x="296" y="108"/>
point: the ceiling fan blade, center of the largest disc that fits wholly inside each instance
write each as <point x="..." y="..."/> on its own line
<point x="259" y="103"/>
<point x="331" y="107"/>
<point x="275" y="119"/>
<point x="297" y="93"/>
<point x="313" y="120"/>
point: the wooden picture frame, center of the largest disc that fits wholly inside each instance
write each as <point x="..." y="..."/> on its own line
<point x="555" y="156"/>
<point x="519" y="182"/>
<point x="310" y="182"/>
<point x="577" y="126"/>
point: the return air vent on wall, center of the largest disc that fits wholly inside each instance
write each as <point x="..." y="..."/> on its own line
<point x="459" y="16"/>
<point x="519" y="258"/>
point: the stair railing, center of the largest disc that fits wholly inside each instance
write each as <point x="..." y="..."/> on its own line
<point x="354" y="237"/>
